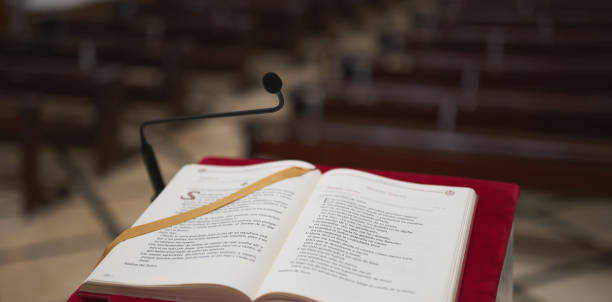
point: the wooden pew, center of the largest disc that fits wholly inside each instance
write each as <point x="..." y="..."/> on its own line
<point x="85" y="54"/>
<point x="495" y="43"/>
<point x="242" y="24"/>
<point x="217" y="32"/>
<point x="576" y="14"/>
<point x="513" y="110"/>
<point x="26" y="90"/>
<point x="574" y="76"/>
<point x="99" y="90"/>
<point x="271" y="23"/>
<point x="34" y="193"/>
<point x="22" y="121"/>
<point x="566" y="95"/>
<point x="529" y="161"/>
<point x="438" y="124"/>
<point x="551" y="64"/>
<point x="510" y="27"/>
<point x="211" y="48"/>
<point x="448" y="108"/>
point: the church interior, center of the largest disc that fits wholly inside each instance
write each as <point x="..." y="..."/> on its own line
<point x="516" y="91"/>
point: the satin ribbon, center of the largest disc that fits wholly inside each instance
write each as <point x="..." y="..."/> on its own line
<point x="156" y="225"/>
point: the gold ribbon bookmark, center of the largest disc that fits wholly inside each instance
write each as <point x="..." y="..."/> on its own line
<point x="156" y="225"/>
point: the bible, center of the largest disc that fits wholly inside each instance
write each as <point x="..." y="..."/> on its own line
<point x="344" y="235"/>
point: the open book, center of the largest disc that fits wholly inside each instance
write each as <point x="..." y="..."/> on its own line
<point x="345" y="235"/>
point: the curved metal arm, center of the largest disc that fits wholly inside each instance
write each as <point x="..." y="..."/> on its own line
<point x="272" y="83"/>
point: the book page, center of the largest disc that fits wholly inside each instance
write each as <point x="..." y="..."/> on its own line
<point x="233" y="246"/>
<point x="362" y="237"/>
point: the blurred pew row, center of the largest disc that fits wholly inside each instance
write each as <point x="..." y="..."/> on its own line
<point x="82" y="55"/>
<point x="507" y="90"/>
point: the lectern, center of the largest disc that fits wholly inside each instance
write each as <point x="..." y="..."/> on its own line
<point x="487" y="275"/>
<point x="487" y="272"/>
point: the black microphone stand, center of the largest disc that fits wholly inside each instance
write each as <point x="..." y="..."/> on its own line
<point x="271" y="82"/>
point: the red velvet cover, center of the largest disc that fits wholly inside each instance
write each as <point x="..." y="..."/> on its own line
<point x="487" y="247"/>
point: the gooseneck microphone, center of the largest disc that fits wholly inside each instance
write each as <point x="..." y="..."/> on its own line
<point x="271" y="82"/>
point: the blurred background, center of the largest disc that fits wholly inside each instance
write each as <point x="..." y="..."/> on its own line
<point x="514" y="90"/>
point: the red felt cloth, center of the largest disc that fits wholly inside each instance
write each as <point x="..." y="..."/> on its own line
<point x="488" y="241"/>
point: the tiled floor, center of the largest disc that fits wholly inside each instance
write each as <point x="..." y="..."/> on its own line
<point x="563" y="244"/>
<point x="562" y="248"/>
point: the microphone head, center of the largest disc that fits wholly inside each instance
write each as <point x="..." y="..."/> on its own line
<point x="272" y="83"/>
